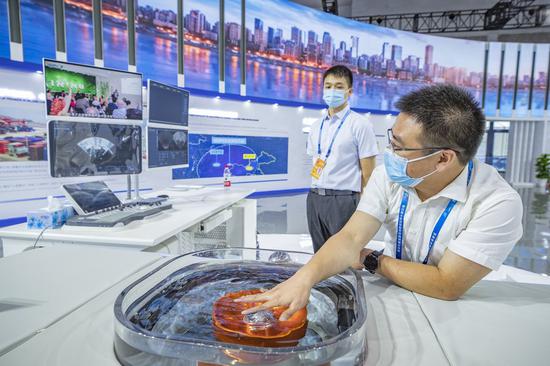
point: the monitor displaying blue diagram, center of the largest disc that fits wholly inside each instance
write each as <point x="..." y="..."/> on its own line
<point x="246" y="155"/>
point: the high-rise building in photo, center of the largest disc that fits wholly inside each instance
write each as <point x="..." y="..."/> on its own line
<point x="396" y="55"/>
<point x="259" y="33"/>
<point x="385" y="51"/>
<point x="312" y="38"/>
<point x="270" y="35"/>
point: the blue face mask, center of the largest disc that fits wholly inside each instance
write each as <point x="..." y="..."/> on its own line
<point x="396" y="168"/>
<point x="334" y="97"/>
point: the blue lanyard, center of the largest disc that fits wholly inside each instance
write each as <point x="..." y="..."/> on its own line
<point x="438" y="225"/>
<point x="333" y="137"/>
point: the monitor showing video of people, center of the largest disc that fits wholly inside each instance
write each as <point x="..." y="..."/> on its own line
<point x="78" y="92"/>
<point x="79" y="149"/>
<point x="167" y="147"/>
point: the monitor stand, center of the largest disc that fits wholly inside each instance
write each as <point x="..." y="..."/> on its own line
<point x="140" y="200"/>
<point x="137" y="197"/>
<point x="129" y="187"/>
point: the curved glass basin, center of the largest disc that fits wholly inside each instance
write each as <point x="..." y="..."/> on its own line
<point x="165" y="318"/>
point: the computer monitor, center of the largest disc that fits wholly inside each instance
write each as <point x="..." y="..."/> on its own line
<point x="167" y="104"/>
<point x="78" y="149"/>
<point x="167" y="147"/>
<point x="79" y="93"/>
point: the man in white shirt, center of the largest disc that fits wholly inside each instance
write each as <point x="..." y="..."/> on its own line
<point x="343" y="147"/>
<point x="450" y="218"/>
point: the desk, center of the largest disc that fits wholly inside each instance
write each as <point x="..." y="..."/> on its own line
<point x="157" y="233"/>
<point x="40" y="287"/>
<point x="496" y="323"/>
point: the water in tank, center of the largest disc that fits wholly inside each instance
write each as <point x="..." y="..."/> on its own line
<point x="165" y="318"/>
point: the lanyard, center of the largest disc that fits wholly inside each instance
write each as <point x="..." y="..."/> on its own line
<point x="333" y="137"/>
<point x="438" y="225"/>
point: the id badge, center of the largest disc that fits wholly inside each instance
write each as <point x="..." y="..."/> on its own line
<point x="318" y="168"/>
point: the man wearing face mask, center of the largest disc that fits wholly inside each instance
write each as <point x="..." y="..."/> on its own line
<point x="450" y="218"/>
<point x="343" y="148"/>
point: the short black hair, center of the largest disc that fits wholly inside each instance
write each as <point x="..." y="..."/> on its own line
<point x="449" y="116"/>
<point x="340" y="71"/>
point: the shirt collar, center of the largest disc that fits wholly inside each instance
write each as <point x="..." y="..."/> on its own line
<point x="338" y="116"/>
<point x="458" y="188"/>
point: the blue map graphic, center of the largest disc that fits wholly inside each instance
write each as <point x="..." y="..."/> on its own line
<point x="248" y="155"/>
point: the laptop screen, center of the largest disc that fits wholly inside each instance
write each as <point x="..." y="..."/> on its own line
<point x="92" y="196"/>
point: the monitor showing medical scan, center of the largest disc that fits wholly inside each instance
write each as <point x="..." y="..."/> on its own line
<point x="91" y="197"/>
<point x="167" y="104"/>
<point x="167" y="147"/>
<point x="76" y="92"/>
<point x="93" y="149"/>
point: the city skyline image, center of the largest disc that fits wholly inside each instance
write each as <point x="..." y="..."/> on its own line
<point x="295" y="49"/>
<point x="289" y="46"/>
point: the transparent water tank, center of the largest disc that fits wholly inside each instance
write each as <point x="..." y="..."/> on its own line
<point x="165" y="318"/>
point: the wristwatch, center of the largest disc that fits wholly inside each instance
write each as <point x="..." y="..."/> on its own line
<point x="371" y="261"/>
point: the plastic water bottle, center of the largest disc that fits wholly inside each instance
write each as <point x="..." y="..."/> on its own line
<point x="227" y="176"/>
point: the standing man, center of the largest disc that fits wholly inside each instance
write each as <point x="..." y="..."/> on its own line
<point x="343" y="148"/>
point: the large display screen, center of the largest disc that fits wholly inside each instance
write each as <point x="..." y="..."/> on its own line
<point x="288" y="54"/>
<point x="92" y="196"/>
<point x="76" y="92"/>
<point x="93" y="149"/>
<point x="167" y="147"/>
<point x="168" y="104"/>
<point x="246" y="156"/>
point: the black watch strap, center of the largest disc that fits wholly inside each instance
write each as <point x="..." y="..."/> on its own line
<point x="371" y="261"/>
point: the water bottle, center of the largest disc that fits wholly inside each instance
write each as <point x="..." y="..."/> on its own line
<point x="227" y="176"/>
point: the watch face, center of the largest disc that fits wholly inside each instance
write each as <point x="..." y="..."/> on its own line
<point x="371" y="263"/>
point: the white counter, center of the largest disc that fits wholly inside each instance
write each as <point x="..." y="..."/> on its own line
<point x="189" y="208"/>
<point x="496" y="323"/>
<point x="40" y="287"/>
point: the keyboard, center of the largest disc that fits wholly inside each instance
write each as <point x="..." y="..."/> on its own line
<point x="119" y="215"/>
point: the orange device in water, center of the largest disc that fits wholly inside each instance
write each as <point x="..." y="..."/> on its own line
<point x="262" y="329"/>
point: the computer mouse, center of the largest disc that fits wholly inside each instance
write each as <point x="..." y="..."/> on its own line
<point x="162" y="196"/>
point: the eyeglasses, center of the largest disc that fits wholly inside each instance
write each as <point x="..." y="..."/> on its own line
<point x="394" y="148"/>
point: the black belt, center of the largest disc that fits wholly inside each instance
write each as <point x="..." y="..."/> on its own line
<point x="331" y="192"/>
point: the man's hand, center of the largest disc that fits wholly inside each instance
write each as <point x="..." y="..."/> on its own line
<point x="364" y="253"/>
<point x="293" y="293"/>
<point x="339" y="253"/>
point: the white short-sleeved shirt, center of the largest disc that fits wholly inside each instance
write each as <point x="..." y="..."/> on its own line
<point x="356" y="140"/>
<point x="483" y="227"/>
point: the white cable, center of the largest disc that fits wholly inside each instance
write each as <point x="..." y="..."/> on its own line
<point x="39" y="236"/>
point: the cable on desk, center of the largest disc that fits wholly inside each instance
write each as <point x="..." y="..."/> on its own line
<point x="37" y="239"/>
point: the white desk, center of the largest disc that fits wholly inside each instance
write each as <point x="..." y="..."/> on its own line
<point x="39" y="287"/>
<point x="156" y="233"/>
<point x="496" y="323"/>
